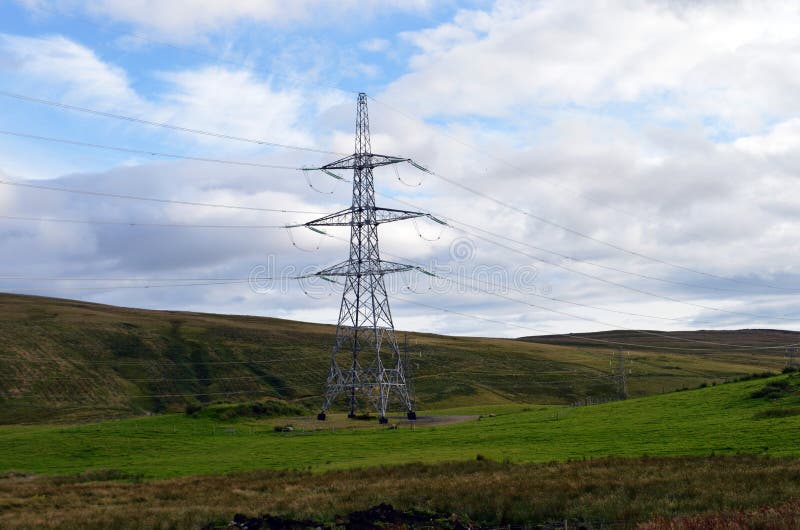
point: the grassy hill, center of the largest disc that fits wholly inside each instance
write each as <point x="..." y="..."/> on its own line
<point x="702" y="342"/>
<point x="66" y="360"/>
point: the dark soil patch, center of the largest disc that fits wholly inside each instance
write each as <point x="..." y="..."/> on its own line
<point x="378" y="517"/>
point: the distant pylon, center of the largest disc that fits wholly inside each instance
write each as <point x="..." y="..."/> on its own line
<point x="366" y="360"/>
<point x="791" y="356"/>
<point x="618" y="365"/>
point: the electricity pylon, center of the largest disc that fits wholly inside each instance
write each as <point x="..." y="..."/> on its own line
<point x="618" y="363"/>
<point x="791" y="356"/>
<point x="365" y="359"/>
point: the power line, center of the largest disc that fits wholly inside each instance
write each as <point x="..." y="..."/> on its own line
<point x="491" y="155"/>
<point x="167" y="225"/>
<point x="441" y="177"/>
<point x="149" y="286"/>
<point x="579" y="304"/>
<point x="118" y="279"/>
<point x="51" y="188"/>
<point x="591" y="276"/>
<point x="578" y="193"/>
<point x="163" y="125"/>
<point x="587" y="319"/>
<point x="184" y="282"/>
<point x="641" y="291"/>
<point x="607" y="267"/>
<point x="242" y="281"/>
<point x="608" y="309"/>
<point x="636" y="289"/>
<point x="134" y="224"/>
<point x="149" y="199"/>
<point x="687" y="320"/>
<point x="144" y="152"/>
<point x="491" y="292"/>
<point x="228" y="280"/>
<point x="595" y="239"/>
<point x="566" y="335"/>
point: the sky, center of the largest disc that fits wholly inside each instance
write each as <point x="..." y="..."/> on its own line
<point x="599" y="164"/>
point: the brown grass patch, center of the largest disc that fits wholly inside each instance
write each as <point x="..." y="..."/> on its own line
<point x="786" y="515"/>
<point x="610" y="490"/>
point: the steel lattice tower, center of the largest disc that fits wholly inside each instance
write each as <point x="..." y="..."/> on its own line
<point x="366" y="360"/>
<point x="791" y="354"/>
<point x="620" y="373"/>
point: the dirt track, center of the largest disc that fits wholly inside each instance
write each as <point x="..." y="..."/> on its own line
<point x="340" y="421"/>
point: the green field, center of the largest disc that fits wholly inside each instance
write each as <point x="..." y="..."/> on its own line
<point x="719" y="449"/>
<point x="721" y="419"/>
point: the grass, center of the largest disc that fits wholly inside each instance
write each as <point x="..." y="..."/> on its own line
<point x="69" y="361"/>
<point x="601" y="492"/>
<point x="722" y="419"/>
<point x="771" y="516"/>
<point x="258" y="409"/>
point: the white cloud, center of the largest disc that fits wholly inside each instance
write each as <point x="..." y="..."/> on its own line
<point x="782" y="139"/>
<point x="78" y="73"/>
<point x="737" y="62"/>
<point x="233" y="102"/>
<point x="375" y="45"/>
<point x="223" y="100"/>
<point x="182" y="19"/>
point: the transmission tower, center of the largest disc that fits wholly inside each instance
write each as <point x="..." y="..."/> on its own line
<point x="366" y="361"/>
<point x="791" y="356"/>
<point x="618" y="365"/>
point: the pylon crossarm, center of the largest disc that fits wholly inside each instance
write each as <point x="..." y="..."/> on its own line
<point x="382" y="215"/>
<point x="340" y="218"/>
<point x="418" y="166"/>
<point x="361" y="161"/>
<point x="387" y="215"/>
<point x="350" y="268"/>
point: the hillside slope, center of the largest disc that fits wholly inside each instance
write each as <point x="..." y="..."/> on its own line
<point x="701" y="342"/>
<point x="67" y="360"/>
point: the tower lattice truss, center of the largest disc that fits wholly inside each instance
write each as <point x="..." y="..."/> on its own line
<point x="366" y="363"/>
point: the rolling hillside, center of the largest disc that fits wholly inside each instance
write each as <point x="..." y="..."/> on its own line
<point x="700" y="342"/>
<point x="66" y="360"/>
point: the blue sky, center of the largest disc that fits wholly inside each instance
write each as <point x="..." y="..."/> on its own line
<point x="653" y="144"/>
<point x="316" y="54"/>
